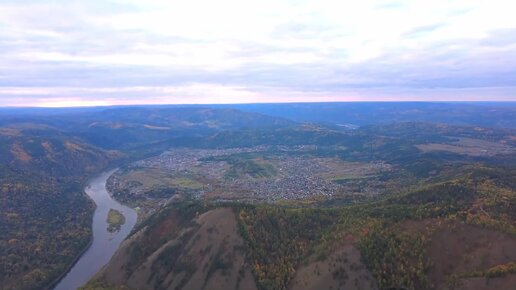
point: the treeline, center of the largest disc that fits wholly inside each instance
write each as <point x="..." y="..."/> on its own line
<point x="279" y="239"/>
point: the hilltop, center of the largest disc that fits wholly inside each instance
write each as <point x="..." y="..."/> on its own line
<point x="302" y="203"/>
<point x="45" y="159"/>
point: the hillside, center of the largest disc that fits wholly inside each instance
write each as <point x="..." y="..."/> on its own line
<point x="45" y="217"/>
<point x="47" y="155"/>
<point x="483" y="114"/>
<point x="235" y="200"/>
<point x="370" y="208"/>
<point x="187" y="248"/>
<point x="404" y="240"/>
<point x="129" y="127"/>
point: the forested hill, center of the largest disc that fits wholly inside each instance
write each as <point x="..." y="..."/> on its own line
<point x="437" y="236"/>
<point x="45" y="217"/>
<point x="369" y="113"/>
<point x="127" y="127"/>
<point x="46" y="155"/>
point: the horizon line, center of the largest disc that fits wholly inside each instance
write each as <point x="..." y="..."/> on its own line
<point x="245" y="103"/>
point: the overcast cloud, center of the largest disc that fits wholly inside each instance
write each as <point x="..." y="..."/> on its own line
<point x="103" y="52"/>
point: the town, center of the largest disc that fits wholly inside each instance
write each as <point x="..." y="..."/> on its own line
<point x="263" y="174"/>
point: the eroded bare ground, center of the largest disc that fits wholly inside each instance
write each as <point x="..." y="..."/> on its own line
<point x="209" y="254"/>
<point x="251" y="174"/>
<point x="462" y="249"/>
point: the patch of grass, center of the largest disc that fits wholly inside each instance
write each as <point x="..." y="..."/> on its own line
<point x="252" y="167"/>
<point x="220" y="263"/>
<point x="344" y="179"/>
<point x="187" y="183"/>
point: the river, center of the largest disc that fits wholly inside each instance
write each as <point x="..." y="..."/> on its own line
<point x="104" y="243"/>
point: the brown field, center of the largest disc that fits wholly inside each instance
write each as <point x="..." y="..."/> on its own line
<point x="469" y="146"/>
<point x="337" y="169"/>
<point x="19" y="153"/>
<point x="151" y="178"/>
<point x="9" y="132"/>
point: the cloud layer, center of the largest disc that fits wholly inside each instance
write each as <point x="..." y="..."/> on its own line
<point x="63" y="53"/>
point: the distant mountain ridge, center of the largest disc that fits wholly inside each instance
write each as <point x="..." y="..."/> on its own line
<point x="488" y="114"/>
<point x="45" y="157"/>
<point x="483" y="114"/>
<point x="47" y="154"/>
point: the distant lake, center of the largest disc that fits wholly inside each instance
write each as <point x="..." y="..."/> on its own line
<point x="104" y="243"/>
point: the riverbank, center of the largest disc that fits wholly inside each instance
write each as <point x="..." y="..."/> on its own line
<point x="56" y="281"/>
<point x="104" y="243"/>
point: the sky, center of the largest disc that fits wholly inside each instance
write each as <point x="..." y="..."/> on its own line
<point x="115" y="52"/>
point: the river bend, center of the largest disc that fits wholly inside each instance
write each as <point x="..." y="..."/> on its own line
<point x="104" y="243"/>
